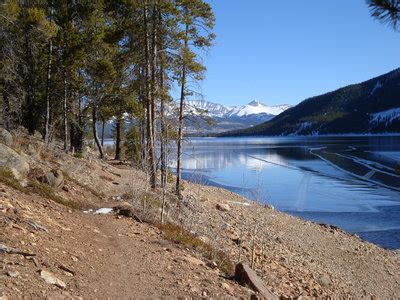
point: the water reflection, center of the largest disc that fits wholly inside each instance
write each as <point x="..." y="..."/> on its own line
<point x="321" y="179"/>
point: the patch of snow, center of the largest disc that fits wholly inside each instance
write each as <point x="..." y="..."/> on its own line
<point x="386" y="117"/>
<point x="239" y="203"/>
<point x="302" y="126"/>
<point x="103" y="211"/>
<point x="377" y="86"/>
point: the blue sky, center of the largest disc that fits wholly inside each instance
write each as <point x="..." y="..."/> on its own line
<point x="286" y="51"/>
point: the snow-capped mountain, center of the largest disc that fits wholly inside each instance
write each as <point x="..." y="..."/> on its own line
<point x="218" y="110"/>
<point x="228" y="118"/>
<point x="198" y="107"/>
<point x="369" y="107"/>
<point x="255" y="107"/>
<point x="204" y="117"/>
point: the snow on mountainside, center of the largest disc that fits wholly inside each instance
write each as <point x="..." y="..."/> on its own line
<point x="369" y="107"/>
<point x="256" y="107"/>
<point x="386" y="117"/>
<point x="211" y="109"/>
<point x="228" y="118"/>
<point x="218" y="110"/>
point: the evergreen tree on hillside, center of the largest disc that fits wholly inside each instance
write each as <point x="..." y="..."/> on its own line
<point x="67" y="66"/>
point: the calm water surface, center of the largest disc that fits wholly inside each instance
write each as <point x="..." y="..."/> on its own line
<point x="350" y="182"/>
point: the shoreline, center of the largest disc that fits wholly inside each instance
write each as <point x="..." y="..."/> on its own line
<point x="113" y="255"/>
<point x="333" y="251"/>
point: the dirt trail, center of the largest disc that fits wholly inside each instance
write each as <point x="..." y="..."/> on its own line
<point x="109" y="256"/>
<point x="98" y="256"/>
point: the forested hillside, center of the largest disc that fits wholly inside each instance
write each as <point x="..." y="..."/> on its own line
<point x="68" y="65"/>
<point x="369" y="107"/>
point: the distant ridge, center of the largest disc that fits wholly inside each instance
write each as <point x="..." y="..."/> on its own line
<point x="225" y="118"/>
<point x="372" y="106"/>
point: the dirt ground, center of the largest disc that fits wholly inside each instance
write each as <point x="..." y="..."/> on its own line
<point x="97" y="256"/>
<point x="108" y="256"/>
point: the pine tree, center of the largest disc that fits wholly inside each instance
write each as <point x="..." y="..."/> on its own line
<point x="196" y="22"/>
<point x="386" y="11"/>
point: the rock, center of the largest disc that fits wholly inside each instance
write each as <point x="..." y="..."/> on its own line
<point x="10" y="159"/>
<point x="324" y="280"/>
<point x="37" y="135"/>
<point x="227" y="287"/>
<point x="237" y="241"/>
<point x="13" y="274"/>
<point x="6" y="137"/>
<point x="55" y="178"/>
<point x="223" y="207"/>
<point x="246" y="276"/>
<point x="127" y="210"/>
<point x="269" y="206"/>
<point x="51" y="279"/>
<point x="204" y="239"/>
<point x="36" y="226"/>
<point x="212" y="265"/>
<point x="193" y="260"/>
<point x="10" y="250"/>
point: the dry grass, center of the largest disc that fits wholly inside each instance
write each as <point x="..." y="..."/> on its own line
<point x="7" y="177"/>
<point x="86" y="187"/>
<point x="48" y="192"/>
<point x="106" y="178"/>
<point x="151" y="200"/>
<point x="34" y="187"/>
<point x="183" y="237"/>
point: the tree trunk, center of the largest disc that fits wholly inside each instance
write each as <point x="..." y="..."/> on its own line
<point x="6" y="106"/>
<point x="164" y="129"/>
<point x="149" y="118"/>
<point x="65" y="112"/>
<point x="153" y="72"/>
<point x="95" y="135"/>
<point x="103" y="133"/>
<point x="180" y="124"/>
<point x="76" y="130"/>
<point x="163" y="135"/>
<point x="118" y="140"/>
<point x="29" y="82"/>
<point x="49" y="62"/>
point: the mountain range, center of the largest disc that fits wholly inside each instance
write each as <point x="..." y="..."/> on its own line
<point x="204" y="117"/>
<point x="369" y="107"/>
<point x="208" y="117"/>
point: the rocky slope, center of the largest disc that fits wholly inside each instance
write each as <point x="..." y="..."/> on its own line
<point x="70" y="251"/>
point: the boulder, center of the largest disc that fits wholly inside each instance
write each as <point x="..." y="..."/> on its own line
<point x="247" y="277"/>
<point x="6" y="137"/>
<point x="127" y="210"/>
<point x="13" y="274"/>
<point x="223" y="207"/>
<point x="51" y="279"/>
<point x="10" y="159"/>
<point x="37" y="135"/>
<point x="54" y="178"/>
<point x="324" y="280"/>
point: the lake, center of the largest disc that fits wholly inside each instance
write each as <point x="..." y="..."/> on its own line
<point x="350" y="182"/>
